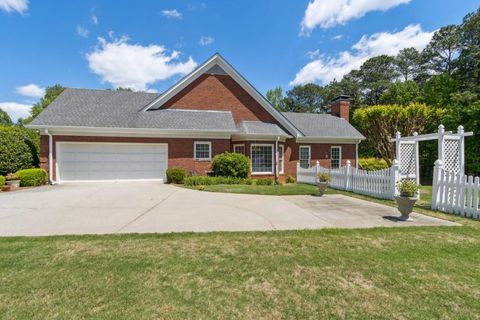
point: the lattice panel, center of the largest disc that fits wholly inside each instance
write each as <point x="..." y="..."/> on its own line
<point x="407" y="159"/>
<point x="451" y="155"/>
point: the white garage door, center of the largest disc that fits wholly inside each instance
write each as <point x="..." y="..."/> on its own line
<point x="111" y="161"/>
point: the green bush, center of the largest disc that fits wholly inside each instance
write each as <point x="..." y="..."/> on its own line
<point x="324" y="177"/>
<point x="408" y="187"/>
<point x="263" y="182"/>
<point x="372" y="164"/>
<point x="18" y="149"/>
<point x="32" y="177"/>
<point x="230" y="164"/>
<point x="290" y="179"/>
<point x="176" y="175"/>
<point x="2" y="181"/>
<point x="208" y="181"/>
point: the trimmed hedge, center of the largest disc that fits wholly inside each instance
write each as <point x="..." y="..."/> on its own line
<point x="18" y="149"/>
<point x="290" y="179"/>
<point x="208" y="181"/>
<point x="264" y="182"/>
<point x="372" y="164"/>
<point x="176" y="175"/>
<point x="32" y="177"/>
<point x="2" y="181"/>
<point x="231" y="164"/>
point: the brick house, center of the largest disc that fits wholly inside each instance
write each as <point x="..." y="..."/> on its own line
<point x="97" y="135"/>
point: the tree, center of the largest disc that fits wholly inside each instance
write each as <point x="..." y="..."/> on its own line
<point x="469" y="60"/>
<point x="124" y="89"/>
<point x="409" y="63"/>
<point x="275" y="96"/>
<point x="305" y="98"/>
<point x="444" y="48"/>
<point x="5" y="118"/>
<point x="51" y="93"/>
<point x="438" y="91"/>
<point x="402" y="93"/>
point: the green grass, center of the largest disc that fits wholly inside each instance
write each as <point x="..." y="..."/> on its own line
<point x="275" y="190"/>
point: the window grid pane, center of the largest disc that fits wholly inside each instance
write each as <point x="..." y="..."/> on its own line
<point x="239" y="149"/>
<point x="304" y="157"/>
<point x="335" y="158"/>
<point x="262" y="159"/>
<point x="202" y="151"/>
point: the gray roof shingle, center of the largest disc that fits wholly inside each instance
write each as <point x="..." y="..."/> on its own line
<point x="322" y="125"/>
<point x="122" y="109"/>
<point x="260" y="128"/>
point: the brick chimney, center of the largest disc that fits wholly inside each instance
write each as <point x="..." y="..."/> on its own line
<point x="340" y="107"/>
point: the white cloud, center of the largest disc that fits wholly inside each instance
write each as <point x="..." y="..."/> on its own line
<point x="337" y="37"/>
<point x="82" y="31"/>
<point x="93" y="16"/>
<point x="16" y="110"/>
<point x="135" y="66"/>
<point x="31" y="90"/>
<point x="327" y="13"/>
<point x="314" y="54"/>
<point x="172" y="14"/>
<point x="206" y="40"/>
<point x="326" y="68"/>
<point x="14" y="5"/>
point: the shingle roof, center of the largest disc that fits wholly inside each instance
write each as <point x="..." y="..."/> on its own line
<point x="322" y="125"/>
<point x="121" y="109"/>
<point x="260" y="128"/>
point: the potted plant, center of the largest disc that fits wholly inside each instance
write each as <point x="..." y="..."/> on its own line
<point x="323" y="180"/>
<point x="12" y="180"/>
<point x="406" y="200"/>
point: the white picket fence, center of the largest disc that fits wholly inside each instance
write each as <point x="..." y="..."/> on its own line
<point x="454" y="193"/>
<point x="379" y="183"/>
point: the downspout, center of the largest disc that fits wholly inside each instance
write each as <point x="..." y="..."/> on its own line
<point x="50" y="157"/>
<point x="276" y="159"/>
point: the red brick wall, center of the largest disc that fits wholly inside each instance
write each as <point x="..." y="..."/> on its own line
<point x="341" y="108"/>
<point x="220" y="92"/>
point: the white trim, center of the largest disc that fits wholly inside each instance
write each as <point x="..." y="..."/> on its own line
<point x="220" y="61"/>
<point x="281" y="169"/>
<point x="195" y="150"/>
<point x="339" y="156"/>
<point x="347" y="140"/>
<point x="309" y="154"/>
<point x="58" y="159"/>
<point x="250" y="137"/>
<point x="239" y="145"/>
<point x="271" y="145"/>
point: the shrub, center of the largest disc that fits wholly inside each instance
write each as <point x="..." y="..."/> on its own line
<point x="407" y="187"/>
<point x="264" y="182"/>
<point x="2" y="181"/>
<point x="230" y="164"/>
<point x="32" y="177"/>
<point x="290" y="179"/>
<point x="18" y="148"/>
<point x="324" y="177"/>
<point x="11" y="177"/>
<point x="372" y="164"/>
<point x="208" y="181"/>
<point x="176" y="175"/>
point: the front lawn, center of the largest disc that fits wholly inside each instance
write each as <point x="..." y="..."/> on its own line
<point x="276" y="190"/>
<point x="383" y="273"/>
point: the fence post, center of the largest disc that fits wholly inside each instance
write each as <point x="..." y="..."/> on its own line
<point x="395" y="177"/>
<point x="461" y="151"/>
<point x="437" y="175"/>
<point x="441" y="142"/>
<point x="348" y="168"/>
<point x="317" y="170"/>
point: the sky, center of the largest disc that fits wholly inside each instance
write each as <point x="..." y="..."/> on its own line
<point x="148" y="45"/>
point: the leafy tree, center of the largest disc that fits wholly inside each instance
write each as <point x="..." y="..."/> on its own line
<point x="305" y="98"/>
<point x="439" y="90"/>
<point x="402" y="93"/>
<point x="444" y="48"/>
<point x="275" y="96"/>
<point x="409" y="63"/>
<point x="469" y="60"/>
<point x="123" y="89"/>
<point x="51" y="93"/>
<point x="18" y="149"/>
<point x="5" y="118"/>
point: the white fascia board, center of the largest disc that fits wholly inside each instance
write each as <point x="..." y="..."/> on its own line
<point x="258" y="137"/>
<point x="132" y="132"/>
<point x="328" y="140"/>
<point x="217" y="59"/>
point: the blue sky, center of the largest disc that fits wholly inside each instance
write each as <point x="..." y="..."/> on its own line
<point x="148" y="45"/>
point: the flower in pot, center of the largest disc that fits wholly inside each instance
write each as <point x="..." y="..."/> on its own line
<point x="12" y="180"/>
<point x="406" y="200"/>
<point x="323" y="180"/>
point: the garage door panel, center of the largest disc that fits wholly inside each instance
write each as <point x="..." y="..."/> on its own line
<point x="91" y="161"/>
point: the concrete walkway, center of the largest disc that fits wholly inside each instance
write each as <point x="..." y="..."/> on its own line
<point x="100" y="208"/>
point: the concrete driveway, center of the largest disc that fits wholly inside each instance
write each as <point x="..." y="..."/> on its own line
<point x="98" y="208"/>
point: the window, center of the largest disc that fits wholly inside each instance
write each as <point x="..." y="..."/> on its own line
<point x="280" y="158"/>
<point x="336" y="157"/>
<point x="262" y="158"/>
<point x="203" y="150"/>
<point x="304" y="157"/>
<point x="239" y="148"/>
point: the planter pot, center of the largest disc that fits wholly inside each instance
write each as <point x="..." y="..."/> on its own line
<point x="322" y="186"/>
<point x="13" y="183"/>
<point x="405" y="206"/>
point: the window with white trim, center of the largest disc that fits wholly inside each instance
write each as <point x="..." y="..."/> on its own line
<point x="335" y="157"/>
<point x="281" y="154"/>
<point x="304" y="156"/>
<point x="203" y="150"/>
<point x="262" y="158"/>
<point x="239" y="148"/>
